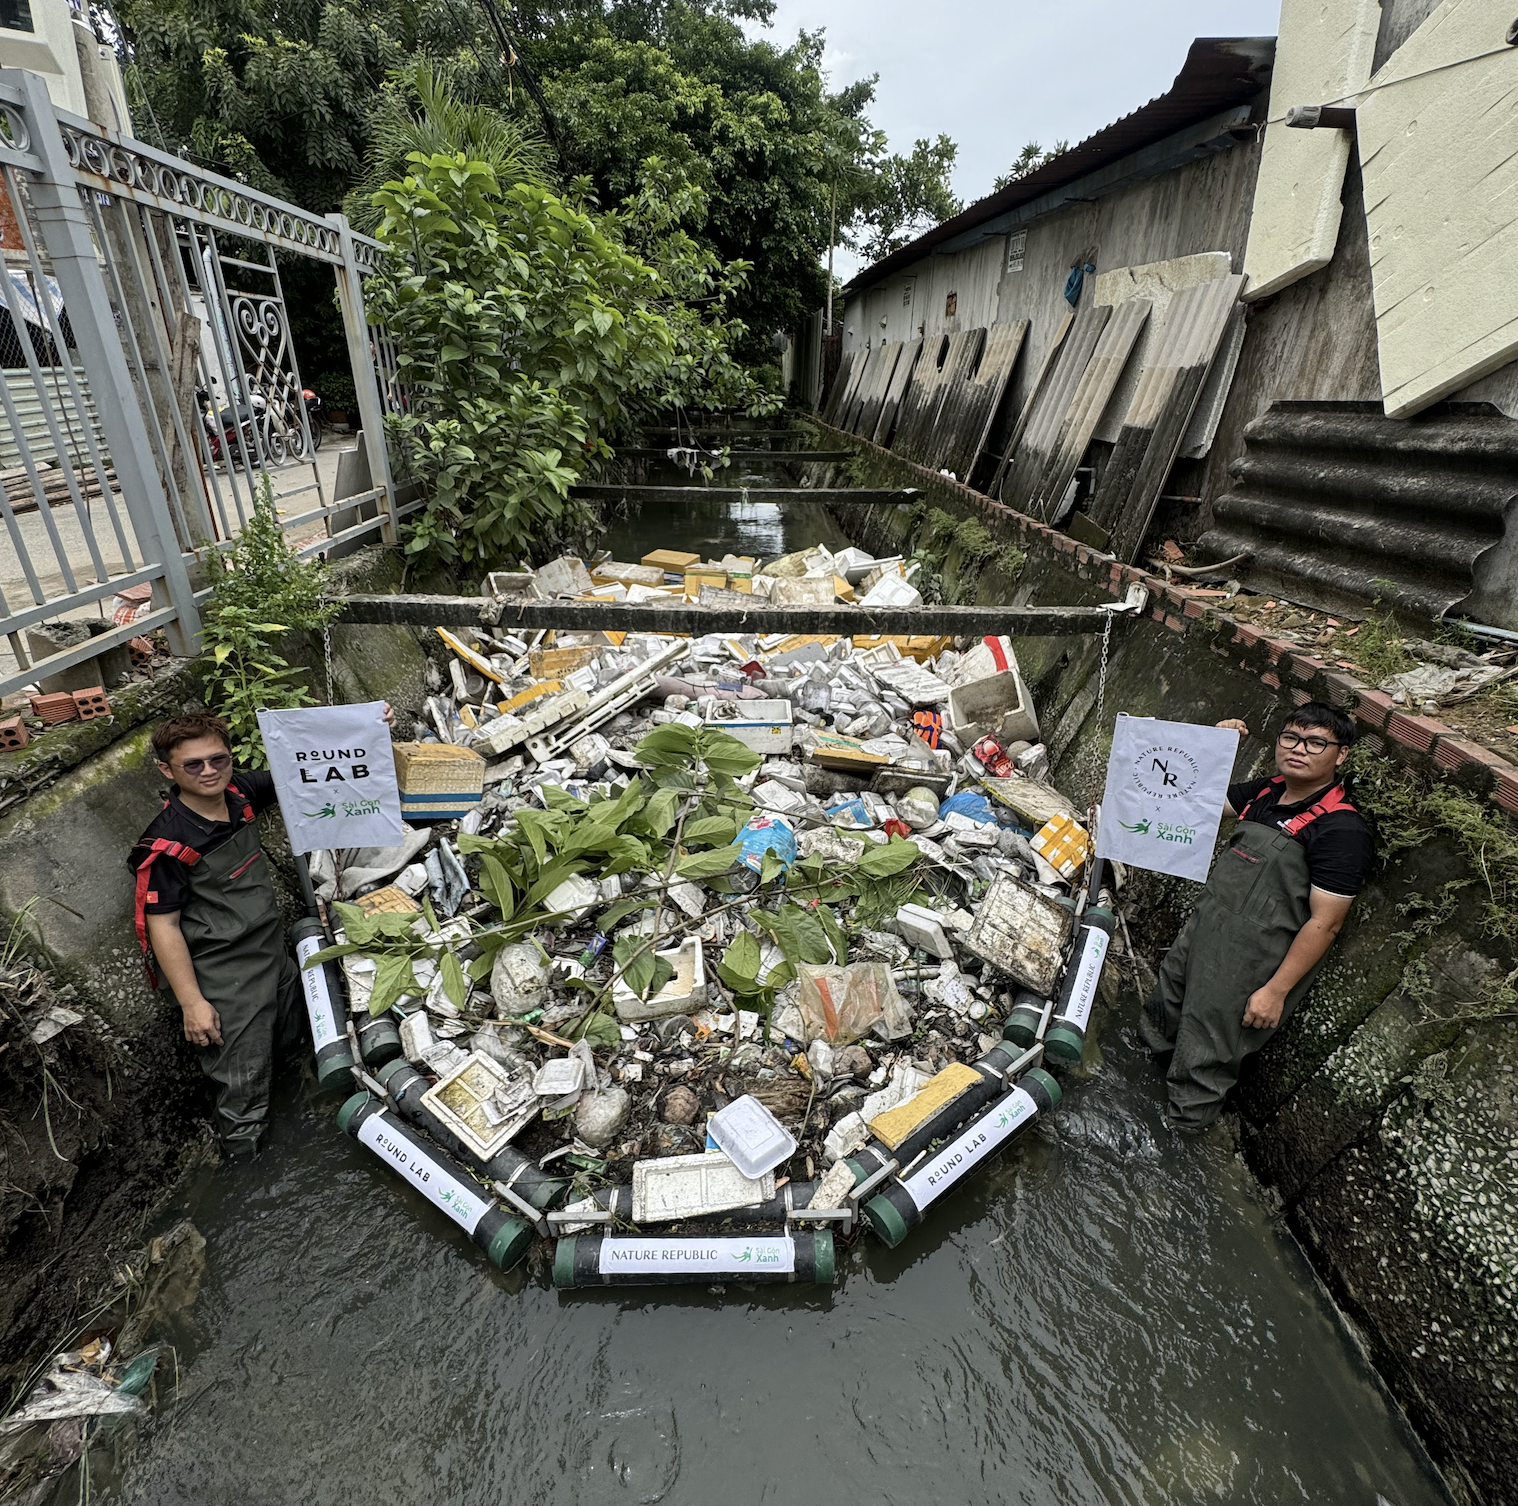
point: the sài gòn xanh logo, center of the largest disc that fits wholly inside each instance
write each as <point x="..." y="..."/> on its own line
<point x="329" y="809"/>
<point x="1138" y="828"/>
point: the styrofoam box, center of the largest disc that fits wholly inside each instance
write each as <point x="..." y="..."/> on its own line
<point x="674" y="1187"/>
<point x="764" y="726"/>
<point x="756" y="1141"/>
<point x="999" y="702"/>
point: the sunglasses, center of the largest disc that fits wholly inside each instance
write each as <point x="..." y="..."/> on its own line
<point x="216" y="763"/>
<point x="1314" y="745"/>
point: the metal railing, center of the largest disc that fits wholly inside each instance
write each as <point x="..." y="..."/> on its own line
<point x="153" y="386"/>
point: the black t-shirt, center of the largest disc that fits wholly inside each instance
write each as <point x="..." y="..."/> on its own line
<point x="169" y="879"/>
<point x="1340" y="849"/>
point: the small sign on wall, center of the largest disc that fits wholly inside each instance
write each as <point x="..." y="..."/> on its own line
<point x="951" y="305"/>
<point x="1017" y="245"/>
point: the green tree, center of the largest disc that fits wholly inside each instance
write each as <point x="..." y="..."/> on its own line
<point x="532" y="330"/>
<point x="901" y="197"/>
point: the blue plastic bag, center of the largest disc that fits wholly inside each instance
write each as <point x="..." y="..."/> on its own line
<point x="851" y="811"/>
<point x="969" y="803"/>
<point x="767" y="833"/>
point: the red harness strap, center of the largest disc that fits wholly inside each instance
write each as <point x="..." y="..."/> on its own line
<point x="1334" y="800"/>
<point x="159" y="847"/>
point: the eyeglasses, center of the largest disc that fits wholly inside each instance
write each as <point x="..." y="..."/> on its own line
<point x="1292" y="740"/>
<point x="216" y="763"/>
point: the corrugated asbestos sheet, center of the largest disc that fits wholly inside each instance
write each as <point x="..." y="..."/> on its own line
<point x="841" y="388"/>
<point x="919" y="405"/>
<point x="1035" y="387"/>
<point x="872" y="387"/>
<point x="1161" y="408"/>
<point x="964" y="420"/>
<point x="963" y="353"/>
<point x="885" y="420"/>
<point x="1047" y="409"/>
<point x="1087" y="404"/>
<point x="857" y="368"/>
<point x="1338" y="505"/>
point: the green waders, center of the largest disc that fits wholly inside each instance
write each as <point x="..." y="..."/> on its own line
<point x="232" y="927"/>
<point x="1255" y="902"/>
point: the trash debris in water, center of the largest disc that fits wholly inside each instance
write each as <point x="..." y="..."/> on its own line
<point x="680" y="922"/>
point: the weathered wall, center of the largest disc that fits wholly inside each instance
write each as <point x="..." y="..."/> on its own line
<point x="1315" y="339"/>
<point x="1386" y="1112"/>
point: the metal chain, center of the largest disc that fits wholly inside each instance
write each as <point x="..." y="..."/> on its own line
<point x="1101" y="682"/>
<point x="327" y="654"/>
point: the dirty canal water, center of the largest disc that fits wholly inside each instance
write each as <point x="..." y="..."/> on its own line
<point x="1107" y="1315"/>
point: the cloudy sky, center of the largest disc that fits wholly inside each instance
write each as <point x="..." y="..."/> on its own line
<point x="994" y="74"/>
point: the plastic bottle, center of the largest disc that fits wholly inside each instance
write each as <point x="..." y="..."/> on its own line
<point x="323" y="990"/>
<point x="900" y="1203"/>
<point x="442" y="1181"/>
<point x="1066" y="1037"/>
<point x="524" y="1176"/>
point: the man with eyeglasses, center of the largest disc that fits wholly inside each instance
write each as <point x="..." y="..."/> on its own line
<point x="207" y="913"/>
<point x="1276" y="898"/>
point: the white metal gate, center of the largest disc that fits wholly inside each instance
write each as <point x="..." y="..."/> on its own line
<point x="154" y="383"/>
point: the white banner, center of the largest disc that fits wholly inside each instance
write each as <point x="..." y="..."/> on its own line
<point x="319" y="1007"/>
<point x="960" y="1156"/>
<point x="1166" y="786"/>
<point x="734" y="1256"/>
<point x="335" y="774"/>
<point x="464" y="1206"/>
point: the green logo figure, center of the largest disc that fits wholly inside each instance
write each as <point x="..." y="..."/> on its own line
<point x="1139" y="829"/>
<point x="747" y="1254"/>
<point x="329" y="809"/>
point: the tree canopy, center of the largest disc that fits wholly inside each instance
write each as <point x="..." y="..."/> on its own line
<point x="294" y="97"/>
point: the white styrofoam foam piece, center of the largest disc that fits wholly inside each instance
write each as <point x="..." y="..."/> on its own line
<point x="746" y="1131"/>
<point x="1324" y="49"/>
<point x="675" y="1187"/>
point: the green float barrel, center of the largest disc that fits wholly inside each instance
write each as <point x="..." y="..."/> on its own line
<point x="324" y="994"/>
<point x="803" y="1257"/>
<point x="405" y="1086"/>
<point x="1021" y="1027"/>
<point x="439" y="1178"/>
<point x="901" y="1202"/>
<point x="1066" y="1038"/>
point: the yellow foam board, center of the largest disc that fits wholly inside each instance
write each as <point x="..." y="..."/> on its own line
<point x="940" y="1090"/>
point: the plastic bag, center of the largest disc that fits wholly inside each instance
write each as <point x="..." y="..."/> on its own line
<point x="969" y="803"/>
<point x="841" y="1005"/>
<point x="767" y="833"/>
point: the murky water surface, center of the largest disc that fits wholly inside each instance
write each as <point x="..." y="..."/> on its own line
<point x="1107" y="1315"/>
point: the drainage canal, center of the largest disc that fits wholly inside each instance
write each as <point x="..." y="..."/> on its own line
<point x="1106" y="1314"/>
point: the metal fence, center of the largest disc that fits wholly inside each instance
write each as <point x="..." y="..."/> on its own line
<point x="152" y="385"/>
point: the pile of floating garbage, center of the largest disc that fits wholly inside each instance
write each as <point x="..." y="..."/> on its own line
<point x="702" y="953"/>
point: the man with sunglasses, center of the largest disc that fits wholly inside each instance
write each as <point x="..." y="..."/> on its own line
<point x="1276" y="898"/>
<point x="207" y="913"/>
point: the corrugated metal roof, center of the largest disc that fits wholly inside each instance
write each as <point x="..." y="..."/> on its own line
<point x="1218" y="74"/>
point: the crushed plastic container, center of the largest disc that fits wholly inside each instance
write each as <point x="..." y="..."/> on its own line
<point x="751" y="1137"/>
